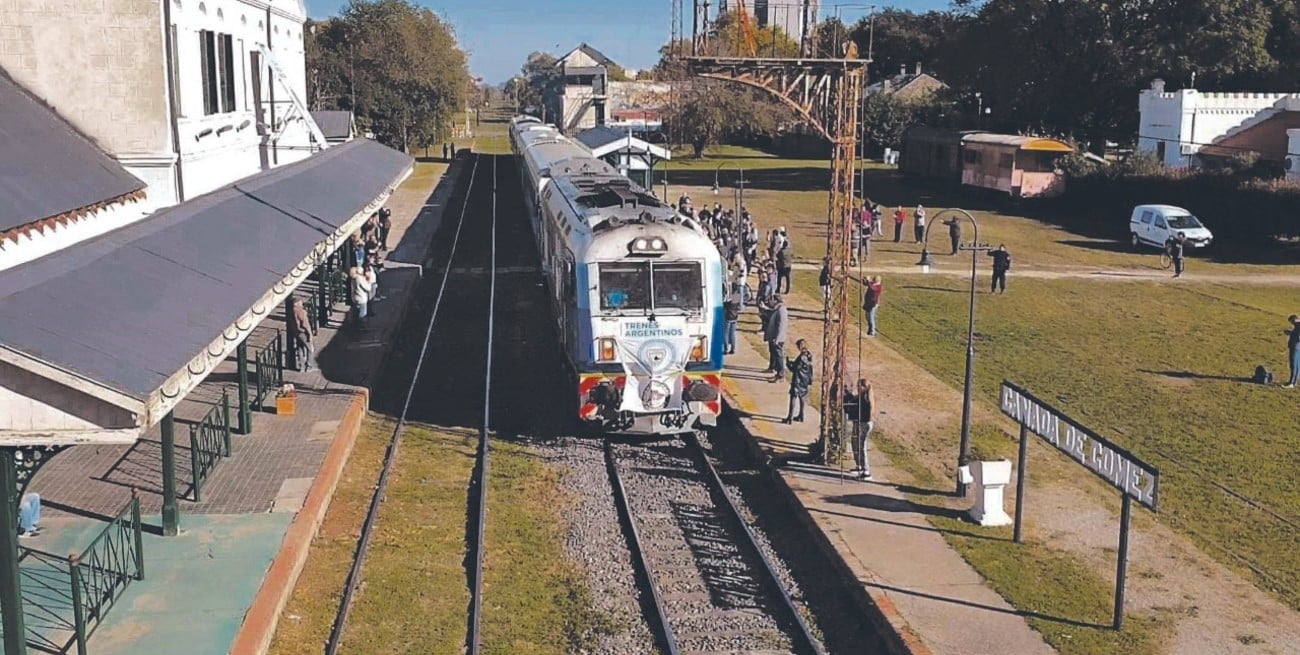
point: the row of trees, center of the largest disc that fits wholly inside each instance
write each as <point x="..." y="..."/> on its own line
<point x="395" y="65"/>
<point x="1075" y="68"/>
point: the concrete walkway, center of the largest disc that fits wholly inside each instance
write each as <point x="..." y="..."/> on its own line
<point x="925" y="591"/>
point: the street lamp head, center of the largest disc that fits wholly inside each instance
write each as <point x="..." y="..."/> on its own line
<point x="926" y="260"/>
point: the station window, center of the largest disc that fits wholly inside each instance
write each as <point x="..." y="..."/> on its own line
<point x="217" y="59"/>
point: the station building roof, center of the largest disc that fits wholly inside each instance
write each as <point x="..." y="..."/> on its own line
<point x="334" y="124"/>
<point x="137" y="317"/>
<point x="605" y="140"/>
<point x="48" y="168"/>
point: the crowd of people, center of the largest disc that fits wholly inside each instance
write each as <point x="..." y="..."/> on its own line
<point x="361" y="258"/>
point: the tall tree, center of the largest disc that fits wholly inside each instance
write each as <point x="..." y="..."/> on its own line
<point x="395" y="65"/>
<point x="709" y="112"/>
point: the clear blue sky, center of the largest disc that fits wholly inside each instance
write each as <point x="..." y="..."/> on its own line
<point x="499" y="34"/>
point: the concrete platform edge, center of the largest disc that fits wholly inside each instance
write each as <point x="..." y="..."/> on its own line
<point x="254" y="637"/>
<point x="898" y="635"/>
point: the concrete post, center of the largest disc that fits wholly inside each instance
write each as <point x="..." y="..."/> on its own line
<point x="170" y="512"/>
<point x="11" y="601"/>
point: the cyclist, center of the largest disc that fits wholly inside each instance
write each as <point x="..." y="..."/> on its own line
<point x="1174" y="248"/>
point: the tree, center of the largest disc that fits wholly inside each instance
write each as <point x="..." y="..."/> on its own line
<point x="710" y="112"/>
<point x="396" y="66"/>
<point x="884" y="118"/>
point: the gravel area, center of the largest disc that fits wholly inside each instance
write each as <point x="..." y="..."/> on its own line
<point x="596" y="544"/>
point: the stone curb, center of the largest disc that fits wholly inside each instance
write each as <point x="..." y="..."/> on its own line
<point x="898" y="635"/>
<point x="254" y="637"/>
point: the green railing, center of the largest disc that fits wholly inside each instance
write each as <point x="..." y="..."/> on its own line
<point x="340" y="287"/>
<point x="268" y="365"/>
<point x="66" y="598"/>
<point x="209" y="442"/>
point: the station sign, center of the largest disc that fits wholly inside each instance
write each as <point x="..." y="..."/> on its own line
<point x="1111" y="463"/>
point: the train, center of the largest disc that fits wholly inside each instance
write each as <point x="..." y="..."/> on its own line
<point x="1007" y="164"/>
<point x="636" y="287"/>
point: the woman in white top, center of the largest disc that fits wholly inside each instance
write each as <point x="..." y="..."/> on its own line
<point x="362" y="288"/>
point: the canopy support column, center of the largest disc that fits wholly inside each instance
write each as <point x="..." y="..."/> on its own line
<point x="170" y="512"/>
<point x="11" y="602"/>
<point x="241" y="361"/>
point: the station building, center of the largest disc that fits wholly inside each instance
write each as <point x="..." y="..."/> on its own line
<point x="163" y="191"/>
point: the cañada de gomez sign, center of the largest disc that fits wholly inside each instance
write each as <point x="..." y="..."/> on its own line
<point x="1111" y="463"/>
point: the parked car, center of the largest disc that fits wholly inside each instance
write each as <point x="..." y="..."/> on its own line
<point x="1154" y="225"/>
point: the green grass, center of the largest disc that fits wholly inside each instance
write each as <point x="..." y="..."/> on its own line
<point x="1064" y="600"/>
<point x="414" y="597"/>
<point x="1155" y="367"/>
<point x="684" y="159"/>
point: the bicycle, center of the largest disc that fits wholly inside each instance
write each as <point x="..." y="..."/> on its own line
<point x="1166" y="258"/>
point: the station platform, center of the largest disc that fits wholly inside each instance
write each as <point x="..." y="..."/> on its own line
<point x="927" y="599"/>
<point x="218" y="586"/>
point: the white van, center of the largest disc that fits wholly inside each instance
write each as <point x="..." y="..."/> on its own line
<point x="1155" y="224"/>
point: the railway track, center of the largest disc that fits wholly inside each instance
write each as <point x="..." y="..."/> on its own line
<point x="447" y="342"/>
<point x="710" y="586"/>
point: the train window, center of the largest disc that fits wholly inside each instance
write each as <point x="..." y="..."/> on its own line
<point x="625" y="285"/>
<point x="678" y="285"/>
<point x="971" y="156"/>
<point x="1006" y="160"/>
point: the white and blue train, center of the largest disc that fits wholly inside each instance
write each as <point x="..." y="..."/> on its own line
<point x="637" y="289"/>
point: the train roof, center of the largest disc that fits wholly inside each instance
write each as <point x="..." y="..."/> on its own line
<point x="937" y="134"/>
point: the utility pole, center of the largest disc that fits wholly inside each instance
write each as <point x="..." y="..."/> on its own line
<point x="828" y="92"/>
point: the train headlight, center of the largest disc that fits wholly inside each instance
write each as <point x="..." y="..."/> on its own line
<point x="655" y="395"/>
<point x="700" y="351"/>
<point x="648" y="246"/>
<point x="606" y="349"/>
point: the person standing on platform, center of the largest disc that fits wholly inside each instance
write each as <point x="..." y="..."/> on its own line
<point x="385" y="225"/>
<point x="361" y="289"/>
<point x="1001" y="264"/>
<point x="918" y="226"/>
<point x="824" y="280"/>
<point x="801" y="377"/>
<point x="29" y="515"/>
<point x="1293" y="350"/>
<point x="300" y="335"/>
<point x="774" y="333"/>
<point x="871" y="302"/>
<point x="954" y="233"/>
<point x="731" y="314"/>
<point x="858" y="408"/>
<point x="900" y="217"/>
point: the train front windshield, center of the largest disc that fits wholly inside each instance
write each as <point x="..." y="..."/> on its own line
<point x="651" y="286"/>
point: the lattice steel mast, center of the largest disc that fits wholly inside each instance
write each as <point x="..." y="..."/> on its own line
<point x="825" y="93"/>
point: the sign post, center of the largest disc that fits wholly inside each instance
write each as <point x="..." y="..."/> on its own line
<point x="1135" y="479"/>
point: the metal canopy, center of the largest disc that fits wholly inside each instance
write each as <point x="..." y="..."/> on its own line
<point x="139" y="316"/>
<point x="47" y="168"/>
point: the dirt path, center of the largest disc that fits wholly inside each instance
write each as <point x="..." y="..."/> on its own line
<point x="953" y="268"/>
<point x="1214" y="610"/>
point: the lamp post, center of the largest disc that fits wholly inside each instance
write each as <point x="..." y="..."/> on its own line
<point x="975" y="247"/>
<point x="738" y="197"/>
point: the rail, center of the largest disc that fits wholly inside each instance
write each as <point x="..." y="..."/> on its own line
<point x="805" y="633"/>
<point x="66" y="598"/>
<point x="665" y="636"/>
<point x="209" y="442"/>
<point x="268" y="363"/>
<point x="390" y="457"/>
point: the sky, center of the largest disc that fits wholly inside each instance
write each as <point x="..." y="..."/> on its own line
<point x="499" y="34"/>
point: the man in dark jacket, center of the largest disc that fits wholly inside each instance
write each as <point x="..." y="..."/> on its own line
<point x="1175" y="247"/>
<point x="774" y="333"/>
<point x="954" y="232"/>
<point x="784" y="266"/>
<point x="1001" y="264"/>
<point x="801" y="375"/>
